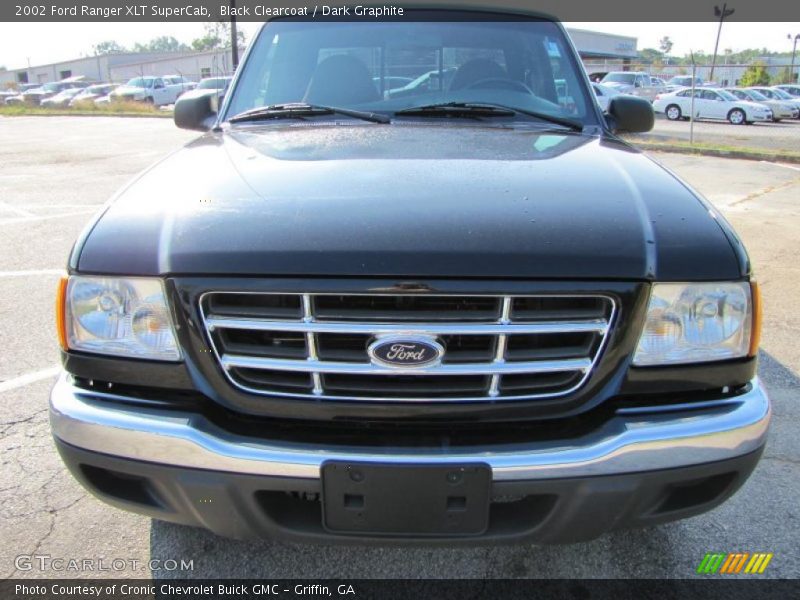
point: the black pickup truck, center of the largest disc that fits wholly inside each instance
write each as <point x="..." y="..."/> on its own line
<point x="410" y="287"/>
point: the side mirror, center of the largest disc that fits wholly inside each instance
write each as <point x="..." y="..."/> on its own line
<point x="196" y="110"/>
<point x="630" y="114"/>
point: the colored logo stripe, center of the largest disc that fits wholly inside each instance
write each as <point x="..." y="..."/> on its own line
<point x="734" y="562"/>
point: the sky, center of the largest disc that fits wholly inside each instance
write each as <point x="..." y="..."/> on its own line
<point x="44" y="43"/>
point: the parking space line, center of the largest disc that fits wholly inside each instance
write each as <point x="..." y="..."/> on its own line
<point x="28" y="378"/>
<point x="793" y="168"/>
<point x="30" y="273"/>
<point x="19" y="211"/>
<point x="44" y="217"/>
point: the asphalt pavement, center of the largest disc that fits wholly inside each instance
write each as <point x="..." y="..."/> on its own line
<point x="782" y="136"/>
<point x="56" y="172"/>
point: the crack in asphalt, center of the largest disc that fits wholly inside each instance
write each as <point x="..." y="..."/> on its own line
<point x="766" y="190"/>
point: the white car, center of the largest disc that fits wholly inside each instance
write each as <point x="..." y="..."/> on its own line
<point x="92" y="93"/>
<point x="792" y="89"/>
<point x="179" y="83"/>
<point x="603" y="94"/>
<point x="710" y="104"/>
<point x="780" y="109"/>
<point x="61" y="99"/>
<point x="147" y="89"/>
<point x="778" y="95"/>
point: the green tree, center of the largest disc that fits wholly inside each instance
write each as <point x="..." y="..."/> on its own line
<point x="665" y="44"/>
<point x="216" y="35"/>
<point x="650" y="55"/>
<point x="786" y="76"/>
<point x="108" y="47"/>
<point x="164" y="43"/>
<point x="755" y="74"/>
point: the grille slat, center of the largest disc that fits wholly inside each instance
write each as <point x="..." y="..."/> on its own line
<point x="496" y="347"/>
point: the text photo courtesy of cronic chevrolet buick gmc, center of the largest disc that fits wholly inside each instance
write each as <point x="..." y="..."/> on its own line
<point x="411" y="288"/>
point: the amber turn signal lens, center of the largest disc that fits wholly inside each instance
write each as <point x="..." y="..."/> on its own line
<point x="61" y="321"/>
<point x="755" y="334"/>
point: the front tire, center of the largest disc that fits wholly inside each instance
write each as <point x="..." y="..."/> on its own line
<point x="737" y="117"/>
<point x="673" y="112"/>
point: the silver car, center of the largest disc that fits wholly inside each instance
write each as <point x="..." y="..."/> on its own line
<point x="780" y="110"/>
<point x="635" y="83"/>
<point x="778" y="95"/>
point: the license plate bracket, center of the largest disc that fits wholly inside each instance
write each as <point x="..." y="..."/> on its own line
<point x="406" y="499"/>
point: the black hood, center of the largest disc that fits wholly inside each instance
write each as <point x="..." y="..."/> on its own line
<point x="410" y="200"/>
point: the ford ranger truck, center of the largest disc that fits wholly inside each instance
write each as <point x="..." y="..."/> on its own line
<point x="457" y="311"/>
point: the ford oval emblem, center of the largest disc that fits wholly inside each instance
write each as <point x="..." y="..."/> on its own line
<point x="405" y="351"/>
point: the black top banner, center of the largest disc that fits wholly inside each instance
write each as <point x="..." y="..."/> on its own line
<point x="262" y="10"/>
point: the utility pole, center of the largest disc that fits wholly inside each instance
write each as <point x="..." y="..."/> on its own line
<point x="794" y="49"/>
<point x="691" y="103"/>
<point x="724" y="12"/>
<point x="234" y="37"/>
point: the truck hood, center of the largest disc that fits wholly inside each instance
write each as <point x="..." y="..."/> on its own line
<point x="409" y="200"/>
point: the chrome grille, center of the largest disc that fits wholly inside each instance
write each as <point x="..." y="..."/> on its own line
<point x="496" y="347"/>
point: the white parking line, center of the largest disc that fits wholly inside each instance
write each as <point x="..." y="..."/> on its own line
<point x="37" y="205"/>
<point x="28" y="378"/>
<point x="793" y="168"/>
<point x="43" y="218"/>
<point x="32" y="273"/>
<point x="19" y="211"/>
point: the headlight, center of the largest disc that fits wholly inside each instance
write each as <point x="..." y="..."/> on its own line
<point x="697" y="322"/>
<point x="118" y="316"/>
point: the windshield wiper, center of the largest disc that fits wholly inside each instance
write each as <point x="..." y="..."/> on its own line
<point x="472" y="110"/>
<point x="299" y="110"/>
<point x="482" y="109"/>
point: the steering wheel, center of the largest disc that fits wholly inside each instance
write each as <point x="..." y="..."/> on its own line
<point x="501" y="82"/>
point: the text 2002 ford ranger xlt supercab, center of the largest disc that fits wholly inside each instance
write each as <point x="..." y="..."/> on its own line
<point x="410" y="288"/>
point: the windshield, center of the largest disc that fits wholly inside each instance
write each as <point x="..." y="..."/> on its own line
<point x="781" y="94"/>
<point x="391" y="66"/>
<point x="620" y="78"/>
<point x="754" y="95"/>
<point x="141" y="82"/>
<point x="727" y="95"/>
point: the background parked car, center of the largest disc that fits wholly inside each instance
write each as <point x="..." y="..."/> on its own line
<point x="659" y="84"/>
<point x="178" y="84"/>
<point x="632" y="82"/>
<point x="778" y="95"/>
<point x="62" y="98"/>
<point x="35" y="95"/>
<point x="220" y="84"/>
<point x="91" y="93"/>
<point x="603" y="93"/>
<point x="710" y="104"/>
<point x="682" y="81"/>
<point x="7" y="94"/>
<point x="147" y="89"/>
<point x="430" y="81"/>
<point x="214" y="83"/>
<point x="780" y="110"/>
<point x="597" y="76"/>
<point x="792" y="89"/>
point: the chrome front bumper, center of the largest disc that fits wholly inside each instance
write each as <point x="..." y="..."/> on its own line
<point x="632" y="441"/>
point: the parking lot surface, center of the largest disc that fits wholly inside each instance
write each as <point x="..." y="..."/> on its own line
<point x="766" y="136"/>
<point x="55" y="172"/>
